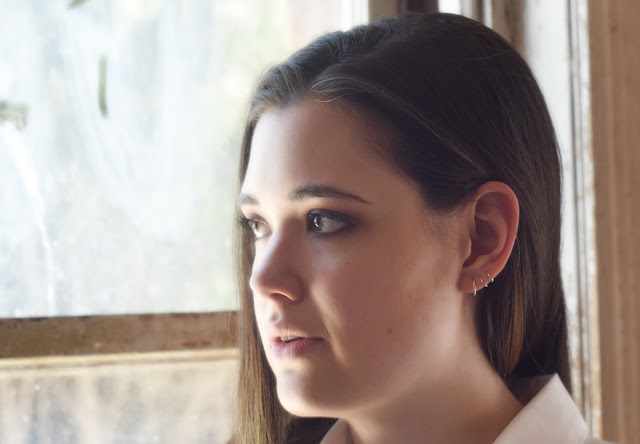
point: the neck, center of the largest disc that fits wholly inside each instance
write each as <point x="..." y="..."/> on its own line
<point x="468" y="408"/>
<point x="465" y="401"/>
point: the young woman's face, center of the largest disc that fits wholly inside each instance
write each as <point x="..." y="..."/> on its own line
<point x="354" y="282"/>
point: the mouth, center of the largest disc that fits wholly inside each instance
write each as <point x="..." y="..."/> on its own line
<point x="290" y="341"/>
<point x="290" y="346"/>
<point x="287" y="339"/>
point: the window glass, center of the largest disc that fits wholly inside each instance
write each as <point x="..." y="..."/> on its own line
<point x="120" y="124"/>
<point x="157" y="399"/>
<point x="450" y="6"/>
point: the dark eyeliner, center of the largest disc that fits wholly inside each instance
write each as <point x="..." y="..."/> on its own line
<point x="330" y="215"/>
<point x="246" y="225"/>
<point x="243" y="222"/>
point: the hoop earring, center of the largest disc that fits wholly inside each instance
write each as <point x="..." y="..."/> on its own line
<point x="489" y="276"/>
<point x="475" y="293"/>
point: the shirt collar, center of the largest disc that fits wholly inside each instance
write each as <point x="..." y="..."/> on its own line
<point x="338" y="434"/>
<point x="550" y="415"/>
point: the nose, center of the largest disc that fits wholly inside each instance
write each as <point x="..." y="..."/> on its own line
<point x="276" y="272"/>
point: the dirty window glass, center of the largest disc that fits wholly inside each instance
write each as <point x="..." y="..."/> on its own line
<point x="120" y="124"/>
<point x="147" y="399"/>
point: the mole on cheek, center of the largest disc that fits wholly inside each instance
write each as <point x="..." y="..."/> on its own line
<point x="389" y="331"/>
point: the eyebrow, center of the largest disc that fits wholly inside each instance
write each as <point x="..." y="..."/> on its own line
<point x="308" y="192"/>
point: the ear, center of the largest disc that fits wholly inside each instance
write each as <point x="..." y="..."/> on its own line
<point x="492" y="223"/>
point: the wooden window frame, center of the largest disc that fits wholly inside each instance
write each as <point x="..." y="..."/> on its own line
<point x="110" y="334"/>
<point x="615" y="94"/>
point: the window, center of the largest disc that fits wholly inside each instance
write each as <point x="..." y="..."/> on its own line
<point x="120" y="124"/>
<point x="117" y="169"/>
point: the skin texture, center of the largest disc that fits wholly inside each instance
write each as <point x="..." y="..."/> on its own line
<point x="380" y="281"/>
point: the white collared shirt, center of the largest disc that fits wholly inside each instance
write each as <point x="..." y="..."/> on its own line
<point x="549" y="416"/>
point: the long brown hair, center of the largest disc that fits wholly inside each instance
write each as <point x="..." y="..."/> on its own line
<point x="465" y="109"/>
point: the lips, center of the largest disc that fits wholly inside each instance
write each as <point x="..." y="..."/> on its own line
<point x="288" y="341"/>
<point x="289" y="338"/>
<point x="286" y="332"/>
<point x="296" y="348"/>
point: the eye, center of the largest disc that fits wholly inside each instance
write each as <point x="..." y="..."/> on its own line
<point x="256" y="227"/>
<point x="328" y="222"/>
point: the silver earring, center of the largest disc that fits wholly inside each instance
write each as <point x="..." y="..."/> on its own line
<point x="474" y="286"/>
<point x="489" y="276"/>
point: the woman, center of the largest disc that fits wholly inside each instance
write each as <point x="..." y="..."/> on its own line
<point x="399" y="253"/>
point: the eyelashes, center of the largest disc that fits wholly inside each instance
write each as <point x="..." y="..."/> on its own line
<point x="319" y="223"/>
<point x="255" y="226"/>
<point x="324" y="222"/>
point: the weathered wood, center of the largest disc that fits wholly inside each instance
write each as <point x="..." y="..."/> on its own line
<point x="615" y="87"/>
<point x="60" y="336"/>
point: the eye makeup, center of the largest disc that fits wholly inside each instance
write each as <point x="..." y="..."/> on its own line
<point x="319" y="222"/>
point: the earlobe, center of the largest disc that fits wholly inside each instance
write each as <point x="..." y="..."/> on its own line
<point x="493" y="215"/>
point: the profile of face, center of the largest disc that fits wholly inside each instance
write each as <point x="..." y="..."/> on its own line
<point x="355" y="283"/>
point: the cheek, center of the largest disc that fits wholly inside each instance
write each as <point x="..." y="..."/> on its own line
<point x="367" y="297"/>
<point x="349" y="281"/>
<point x="386" y="295"/>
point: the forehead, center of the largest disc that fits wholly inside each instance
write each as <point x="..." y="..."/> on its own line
<point x="312" y="142"/>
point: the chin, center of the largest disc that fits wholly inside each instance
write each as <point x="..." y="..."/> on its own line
<point x="304" y="401"/>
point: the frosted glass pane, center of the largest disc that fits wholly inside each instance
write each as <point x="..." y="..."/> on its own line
<point x="120" y="124"/>
<point x="117" y="403"/>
